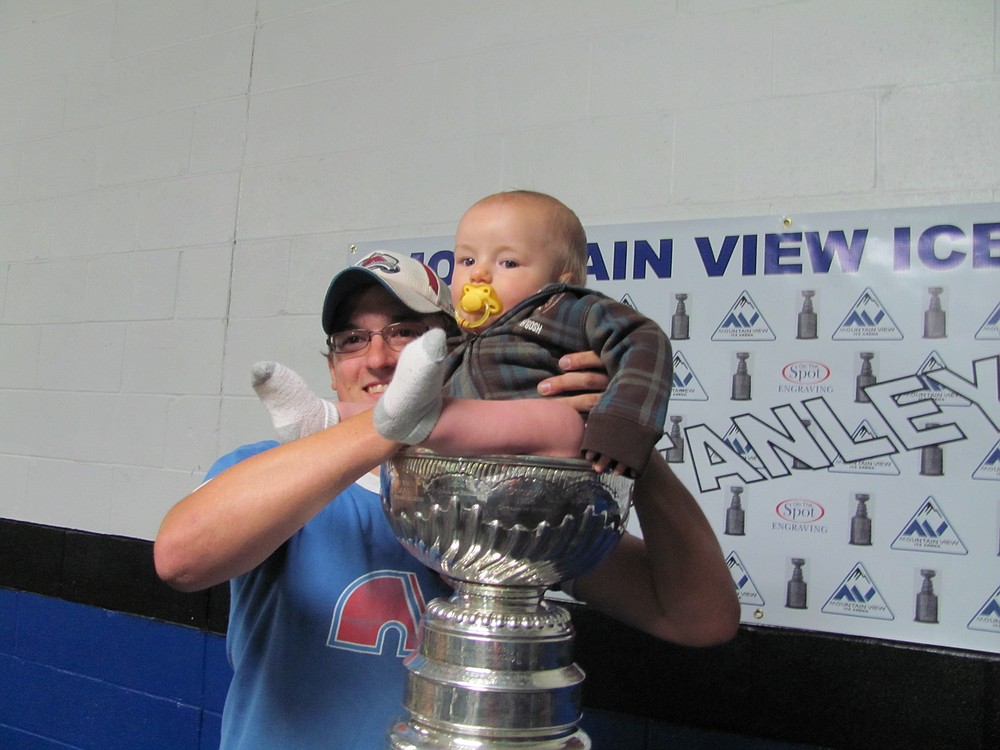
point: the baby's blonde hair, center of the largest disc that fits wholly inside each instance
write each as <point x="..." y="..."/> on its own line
<point x="564" y="226"/>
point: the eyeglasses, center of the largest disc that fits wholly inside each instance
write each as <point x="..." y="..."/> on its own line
<point x="357" y="340"/>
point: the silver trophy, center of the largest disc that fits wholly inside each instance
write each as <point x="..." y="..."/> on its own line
<point x="495" y="665"/>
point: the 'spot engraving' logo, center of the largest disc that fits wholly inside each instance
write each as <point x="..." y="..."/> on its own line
<point x="805" y="372"/>
<point x="798" y="510"/>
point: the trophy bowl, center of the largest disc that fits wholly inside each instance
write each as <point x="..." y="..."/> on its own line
<point x="504" y="520"/>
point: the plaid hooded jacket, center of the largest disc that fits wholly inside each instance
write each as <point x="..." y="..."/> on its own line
<point x="507" y="359"/>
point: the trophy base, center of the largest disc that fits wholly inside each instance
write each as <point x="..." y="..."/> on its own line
<point x="494" y="670"/>
<point x="414" y="736"/>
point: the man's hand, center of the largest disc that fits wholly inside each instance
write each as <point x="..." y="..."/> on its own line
<point x="584" y="378"/>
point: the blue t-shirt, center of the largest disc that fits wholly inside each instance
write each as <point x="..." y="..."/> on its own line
<point x="318" y="631"/>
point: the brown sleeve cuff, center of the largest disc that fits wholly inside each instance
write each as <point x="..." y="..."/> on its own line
<point x="621" y="440"/>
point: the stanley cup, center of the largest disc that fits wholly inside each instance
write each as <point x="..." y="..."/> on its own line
<point x="495" y="665"/>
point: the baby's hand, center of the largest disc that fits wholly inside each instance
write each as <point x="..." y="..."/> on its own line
<point x="294" y="409"/>
<point x="601" y="463"/>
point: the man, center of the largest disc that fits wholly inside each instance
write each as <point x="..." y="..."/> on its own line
<point x="316" y="572"/>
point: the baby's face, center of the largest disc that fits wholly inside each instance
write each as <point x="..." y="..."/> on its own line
<point x="505" y="244"/>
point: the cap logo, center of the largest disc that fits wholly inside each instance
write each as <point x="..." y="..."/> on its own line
<point x="432" y="279"/>
<point x="380" y="262"/>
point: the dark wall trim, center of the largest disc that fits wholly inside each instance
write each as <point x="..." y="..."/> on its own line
<point x="797" y="686"/>
<point x="105" y="571"/>
<point x="775" y="683"/>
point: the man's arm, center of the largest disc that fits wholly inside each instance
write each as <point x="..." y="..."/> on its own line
<point x="232" y="523"/>
<point x="673" y="583"/>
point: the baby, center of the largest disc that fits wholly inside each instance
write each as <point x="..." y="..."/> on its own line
<point x="517" y="286"/>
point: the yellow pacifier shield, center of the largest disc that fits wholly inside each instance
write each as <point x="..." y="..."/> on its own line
<point x="477" y="298"/>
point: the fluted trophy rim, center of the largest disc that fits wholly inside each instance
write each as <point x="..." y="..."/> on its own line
<point x="504" y="458"/>
<point x="507" y="520"/>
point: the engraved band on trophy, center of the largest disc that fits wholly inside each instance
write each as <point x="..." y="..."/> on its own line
<point x="495" y="664"/>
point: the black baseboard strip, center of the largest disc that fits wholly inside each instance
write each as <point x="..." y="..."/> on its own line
<point x="774" y="683"/>
<point x="796" y="686"/>
<point x="105" y="571"/>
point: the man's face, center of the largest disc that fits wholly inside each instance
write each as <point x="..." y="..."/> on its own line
<point x="362" y="377"/>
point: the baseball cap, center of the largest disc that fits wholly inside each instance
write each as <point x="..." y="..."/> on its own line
<point x="408" y="280"/>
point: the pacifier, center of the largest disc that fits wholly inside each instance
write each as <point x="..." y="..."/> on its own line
<point x="477" y="298"/>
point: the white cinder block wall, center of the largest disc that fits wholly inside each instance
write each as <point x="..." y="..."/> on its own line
<point x="179" y="180"/>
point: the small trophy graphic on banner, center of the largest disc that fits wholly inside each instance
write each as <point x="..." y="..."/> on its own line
<point x="932" y="458"/>
<point x="865" y="378"/>
<point x="861" y="524"/>
<point x="675" y="453"/>
<point x="934" y="317"/>
<point x="741" y="378"/>
<point x="679" y="321"/>
<point x="927" y="601"/>
<point x="796" y="590"/>
<point x="735" y="515"/>
<point x="808" y="324"/>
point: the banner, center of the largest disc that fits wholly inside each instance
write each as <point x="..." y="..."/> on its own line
<point x="835" y="406"/>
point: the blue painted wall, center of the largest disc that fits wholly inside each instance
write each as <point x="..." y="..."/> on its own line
<point x="74" y="676"/>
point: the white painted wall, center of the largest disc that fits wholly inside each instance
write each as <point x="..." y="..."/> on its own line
<point x="179" y="180"/>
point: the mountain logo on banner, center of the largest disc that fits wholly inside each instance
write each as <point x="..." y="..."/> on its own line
<point x="929" y="531"/>
<point x="989" y="468"/>
<point x="933" y="390"/>
<point x="883" y="465"/>
<point x="988" y="616"/>
<point x="746" y="590"/>
<point x="858" y="596"/>
<point x="742" y="447"/>
<point x="868" y="320"/>
<point x="627" y="300"/>
<point x="990" y="329"/>
<point x="743" y="322"/>
<point x="686" y="386"/>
